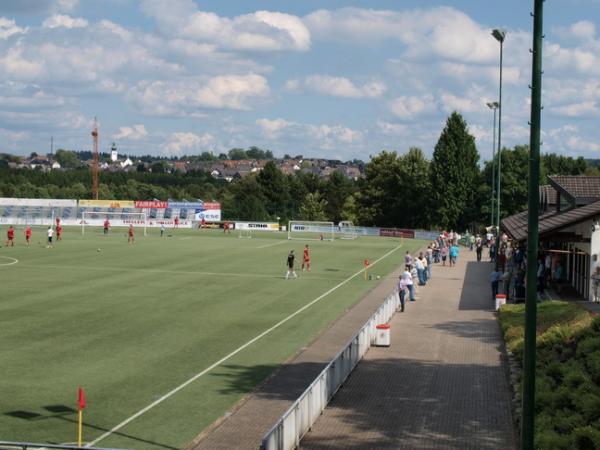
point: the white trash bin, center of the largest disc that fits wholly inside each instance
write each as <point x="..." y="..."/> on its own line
<point x="382" y="335"/>
<point x="500" y="300"/>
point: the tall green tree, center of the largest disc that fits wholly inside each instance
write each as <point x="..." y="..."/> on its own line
<point x="414" y="188"/>
<point x="313" y="207"/>
<point x="275" y="190"/>
<point x="379" y="191"/>
<point x="336" y="191"/>
<point x="454" y="174"/>
<point x="244" y="201"/>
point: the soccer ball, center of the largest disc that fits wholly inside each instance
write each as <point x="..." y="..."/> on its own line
<point x="378" y="277"/>
<point x="98" y="249"/>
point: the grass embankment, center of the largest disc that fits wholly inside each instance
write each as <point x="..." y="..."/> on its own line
<point x="567" y="373"/>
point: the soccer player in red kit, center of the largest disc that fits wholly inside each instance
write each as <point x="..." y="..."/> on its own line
<point x="27" y="234"/>
<point x="306" y="258"/>
<point x="130" y="235"/>
<point x="176" y="222"/>
<point x="10" y="236"/>
<point x="58" y="231"/>
<point x="106" y="226"/>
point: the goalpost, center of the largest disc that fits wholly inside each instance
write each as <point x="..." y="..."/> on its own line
<point x="245" y="233"/>
<point x="347" y="230"/>
<point x="122" y="219"/>
<point x="311" y="230"/>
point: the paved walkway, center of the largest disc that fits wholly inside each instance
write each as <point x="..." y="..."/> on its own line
<point x="441" y="384"/>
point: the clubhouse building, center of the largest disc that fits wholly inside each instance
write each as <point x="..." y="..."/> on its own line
<point x="569" y="230"/>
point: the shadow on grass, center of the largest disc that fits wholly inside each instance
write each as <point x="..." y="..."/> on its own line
<point x="64" y="413"/>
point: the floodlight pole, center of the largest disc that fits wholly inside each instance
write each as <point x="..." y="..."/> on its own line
<point x="499" y="35"/>
<point x="494" y="107"/>
<point x="528" y="422"/>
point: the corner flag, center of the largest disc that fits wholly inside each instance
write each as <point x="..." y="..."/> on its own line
<point x="81" y="408"/>
<point x="81" y="398"/>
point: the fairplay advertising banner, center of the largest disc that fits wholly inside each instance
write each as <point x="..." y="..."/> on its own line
<point x="155" y="204"/>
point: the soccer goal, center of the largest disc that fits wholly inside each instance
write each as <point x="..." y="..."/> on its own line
<point x="116" y="219"/>
<point x="311" y="230"/>
<point x="245" y="233"/>
<point x="347" y="230"/>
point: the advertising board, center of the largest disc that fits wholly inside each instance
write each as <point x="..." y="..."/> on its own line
<point x="43" y="202"/>
<point x="156" y="204"/>
<point x="395" y="232"/>
<point x="260" y="226"/>
<point x="106" y="204"/>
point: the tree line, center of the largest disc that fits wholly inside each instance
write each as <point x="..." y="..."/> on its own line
<point x="450" y="190"/>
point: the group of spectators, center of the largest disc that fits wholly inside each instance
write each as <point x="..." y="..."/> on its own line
<point x="510" y="268"/>
<point x="418" y="268"/>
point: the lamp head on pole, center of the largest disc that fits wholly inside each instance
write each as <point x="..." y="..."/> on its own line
<point x="493" y="105"/>
<point x="499" y="34"/>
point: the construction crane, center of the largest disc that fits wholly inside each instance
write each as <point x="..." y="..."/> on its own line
<point x="95" y="162"/>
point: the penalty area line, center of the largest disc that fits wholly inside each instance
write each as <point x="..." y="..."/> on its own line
<point x="232" y="354"/>
<point x="273" y="244"/>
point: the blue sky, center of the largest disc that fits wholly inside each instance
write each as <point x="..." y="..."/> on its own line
<point x="336" y="79"/>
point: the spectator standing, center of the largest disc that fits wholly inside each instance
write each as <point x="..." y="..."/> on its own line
<point x="408" y="283"/>
<point x="495" y="280"/>
<point x="429" y="259"/>
<point x="479" y="250"/>
<point x="453" y="254"/>
<point x="408" y="259"/>
<point x="420" y="271"/>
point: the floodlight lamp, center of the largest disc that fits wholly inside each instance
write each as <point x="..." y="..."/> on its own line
<point x="499" y="34"/>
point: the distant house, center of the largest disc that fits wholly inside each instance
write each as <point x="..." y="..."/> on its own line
<point x="55" y="165"/>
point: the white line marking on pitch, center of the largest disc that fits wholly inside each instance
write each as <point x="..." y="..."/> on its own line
<point x="14" y="261"/>
<point x="233" y="353"/>
<point x="271" y="245"/>
<point x="184" y="272"/>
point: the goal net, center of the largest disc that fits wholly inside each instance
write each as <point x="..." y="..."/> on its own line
<point x="245" y="233"/>
<point x="311" y="231"/>
<point x="347" y="230"/>
<point x="95" y="220"/>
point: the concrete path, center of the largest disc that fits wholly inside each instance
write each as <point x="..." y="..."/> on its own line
<point x="441" y="384"/>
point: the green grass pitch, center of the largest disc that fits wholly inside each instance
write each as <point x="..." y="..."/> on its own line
<point x="130" y="323"/>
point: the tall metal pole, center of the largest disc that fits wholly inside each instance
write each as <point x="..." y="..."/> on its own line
<point x="494" y="107"/>
<point x="499" y="139"/>
<point x="527" y="426"/>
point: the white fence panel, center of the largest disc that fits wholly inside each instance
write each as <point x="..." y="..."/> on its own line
<point x="297" y="421"/>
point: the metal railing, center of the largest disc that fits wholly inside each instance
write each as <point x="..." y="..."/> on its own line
<point x="10" y="445"/>
<point x="299" y="418"/>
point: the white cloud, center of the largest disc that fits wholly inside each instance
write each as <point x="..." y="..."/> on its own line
<point x="324" y="136"/>
<point x="178" y="98"/>
<point x="8" y="27"/>
<point x="272" y="128"/>
<point x="393" y="129"/>
<point x="337" y="87"/>
<point x="582" y="109"/>
<point x="65" y="21"/>
<point x="186" y="141"/>
<point x="261" y="30"/>
<point x="443" y="31"/>
<point x="134" y="133"/>
<point x="409" y="107"/>
<point x="66" y="5"/>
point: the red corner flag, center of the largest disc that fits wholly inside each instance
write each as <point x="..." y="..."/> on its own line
<point x="81" y="399"/>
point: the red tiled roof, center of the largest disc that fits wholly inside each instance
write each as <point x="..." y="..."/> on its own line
<point x="581" y="189"/>
<point x="516" y="225"/>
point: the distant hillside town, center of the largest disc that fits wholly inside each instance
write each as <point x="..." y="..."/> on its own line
<point x="236" y="164"/>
